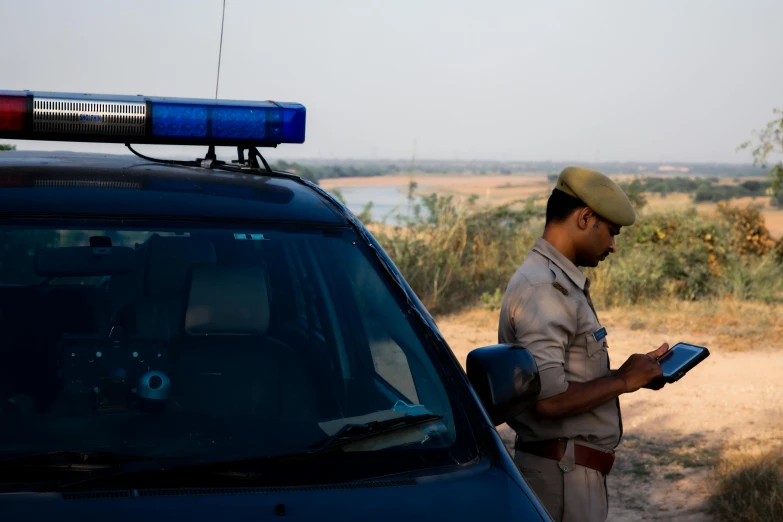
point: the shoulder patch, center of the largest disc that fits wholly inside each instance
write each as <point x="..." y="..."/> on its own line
<point x="563" y="290"/>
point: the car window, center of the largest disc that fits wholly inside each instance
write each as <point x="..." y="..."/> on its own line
<point x="389" y="359"/>
<point x="202" y="340"/>
<point x="391" y="363"/>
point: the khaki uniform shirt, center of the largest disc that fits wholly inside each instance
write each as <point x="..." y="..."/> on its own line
<point x="547" y="310"/>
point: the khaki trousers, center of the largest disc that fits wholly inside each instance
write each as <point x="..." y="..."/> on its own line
<point x="576" y="496"/>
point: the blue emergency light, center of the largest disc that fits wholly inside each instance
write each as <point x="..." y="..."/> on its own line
<point x="56" y="116"/>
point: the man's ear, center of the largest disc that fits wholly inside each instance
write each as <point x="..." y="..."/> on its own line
<point x="584" y="216"/>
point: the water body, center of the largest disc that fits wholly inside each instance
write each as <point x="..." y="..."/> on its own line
<point x="387" y="201"/>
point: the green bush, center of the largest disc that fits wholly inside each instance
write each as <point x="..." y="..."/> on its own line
<point x="675" y="255"/>
<point x="686" y="256"/>
<point x="754" y="279"/>
<point x="455" y="252"/>
<point x="459" y="254"/>
<point x="636" y="277"/>
<point x="492" y="301"/>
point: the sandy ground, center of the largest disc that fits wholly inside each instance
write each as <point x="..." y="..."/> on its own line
<point x="672" y="436"/>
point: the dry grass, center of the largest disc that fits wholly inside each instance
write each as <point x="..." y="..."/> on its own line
<point x="733" y="325"/>
<point x="748" y="486"/>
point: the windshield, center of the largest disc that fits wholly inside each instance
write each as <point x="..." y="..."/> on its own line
<point x="210" y="342"/>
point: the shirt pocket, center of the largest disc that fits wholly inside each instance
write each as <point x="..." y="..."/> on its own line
<point x="597" y="363"/>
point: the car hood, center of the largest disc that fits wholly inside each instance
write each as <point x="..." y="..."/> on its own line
<point x="488" y="495"/>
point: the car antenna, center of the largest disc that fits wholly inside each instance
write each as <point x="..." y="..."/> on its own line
<point x="210" y="159"/>
<point x="220" y="52"/>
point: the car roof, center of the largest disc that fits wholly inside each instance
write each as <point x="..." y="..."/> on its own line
<point x="81" y="184"/>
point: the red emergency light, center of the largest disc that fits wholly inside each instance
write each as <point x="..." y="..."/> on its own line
<point x="13" y="110"/>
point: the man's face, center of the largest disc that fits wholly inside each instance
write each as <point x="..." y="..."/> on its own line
<point x="598" y="241"/>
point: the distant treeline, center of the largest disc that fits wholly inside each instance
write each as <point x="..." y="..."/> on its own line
<point x="702" y="189"/>
<point x="316" y="172"/>
<point x="319" y="169"/>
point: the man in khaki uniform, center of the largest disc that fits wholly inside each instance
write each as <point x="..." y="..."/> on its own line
<point x="565" y="445"/>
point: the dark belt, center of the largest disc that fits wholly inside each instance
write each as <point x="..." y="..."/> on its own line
<point x="583" y="456"/>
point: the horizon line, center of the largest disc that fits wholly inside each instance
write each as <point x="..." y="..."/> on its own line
<point x="569" y="162"/>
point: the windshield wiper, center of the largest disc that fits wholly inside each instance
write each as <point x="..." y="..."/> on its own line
<point x="355" y="432"/>
<point x="345" y="435"/>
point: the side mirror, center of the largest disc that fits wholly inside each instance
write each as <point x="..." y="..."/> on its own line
<point x="505" y="377"/>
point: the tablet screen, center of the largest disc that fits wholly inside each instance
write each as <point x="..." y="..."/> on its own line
<point x="678" y="357"/>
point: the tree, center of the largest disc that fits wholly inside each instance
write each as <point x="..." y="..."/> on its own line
<point x="635" y="192"/>
<point x="7" y="147"/>
<point x="768" y="146"/>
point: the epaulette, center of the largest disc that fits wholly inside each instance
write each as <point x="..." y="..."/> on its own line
<point x="563" y="290"/>
<point x="556" y="283"/>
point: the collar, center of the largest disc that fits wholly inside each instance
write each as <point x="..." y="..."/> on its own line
<point x="545" y="248"/>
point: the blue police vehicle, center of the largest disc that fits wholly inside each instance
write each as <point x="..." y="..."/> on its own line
<point x="215" y="340"/>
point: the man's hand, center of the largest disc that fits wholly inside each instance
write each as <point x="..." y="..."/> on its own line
<point x="655" y="384"/>
<point x="641" y="369"/>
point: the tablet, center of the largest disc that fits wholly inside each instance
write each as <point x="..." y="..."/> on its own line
<point x="680" y="359"/>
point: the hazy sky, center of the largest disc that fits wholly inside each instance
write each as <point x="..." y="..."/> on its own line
<point x="681" y="80"/>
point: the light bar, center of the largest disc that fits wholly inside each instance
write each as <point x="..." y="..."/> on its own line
<point x="31" y="115"/>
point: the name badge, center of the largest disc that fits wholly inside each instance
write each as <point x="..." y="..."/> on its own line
<point x="599" y="334"/>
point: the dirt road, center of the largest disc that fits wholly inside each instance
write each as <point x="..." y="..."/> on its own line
<point x="733" y="400"/>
